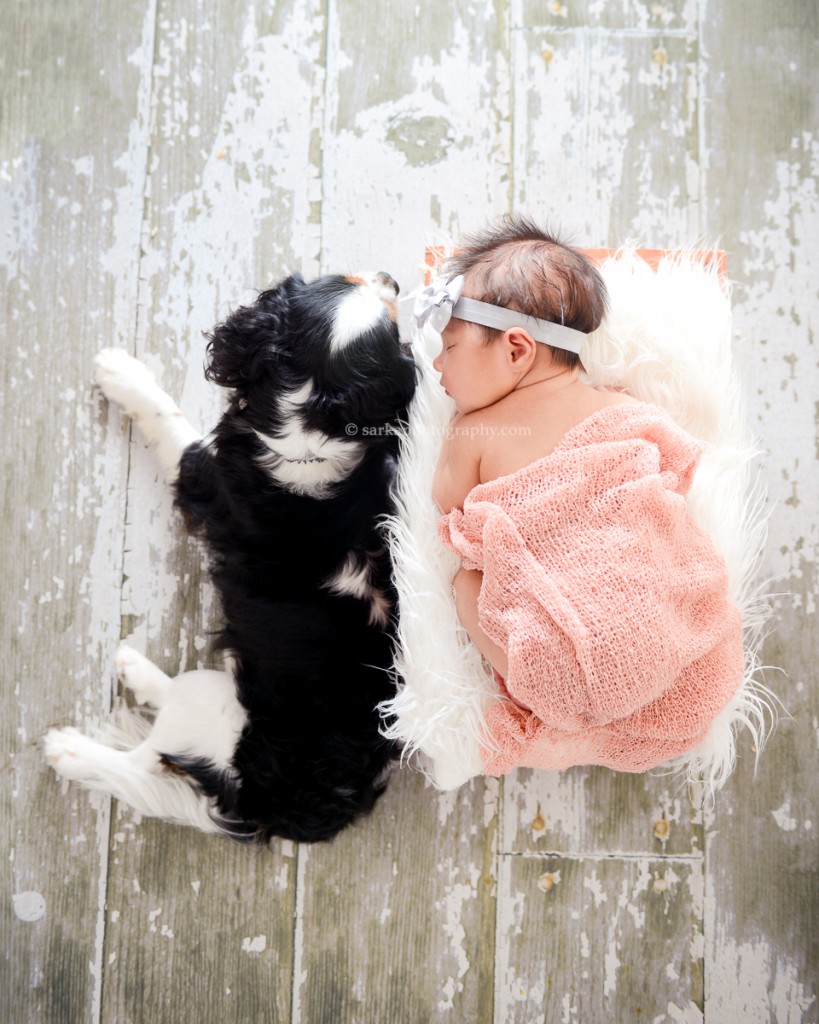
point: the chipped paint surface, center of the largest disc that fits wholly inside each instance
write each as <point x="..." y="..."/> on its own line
<point x="258" y="944"/>
<point x="756" y="984"/>
<point x="29" y="906"/>
<point x="604" y="909"/>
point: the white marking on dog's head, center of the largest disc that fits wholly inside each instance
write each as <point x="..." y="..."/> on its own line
<point x="358" y="311"/>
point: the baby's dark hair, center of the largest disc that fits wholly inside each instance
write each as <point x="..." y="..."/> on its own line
<point x="518" y="265"/>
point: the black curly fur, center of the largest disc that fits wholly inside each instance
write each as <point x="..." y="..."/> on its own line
<point x="310" y="666"/>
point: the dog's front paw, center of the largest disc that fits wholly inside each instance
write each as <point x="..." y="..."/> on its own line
<point x="67" y="751"/>
<point x="122" y="379"/>
<point x="142" y="677"/>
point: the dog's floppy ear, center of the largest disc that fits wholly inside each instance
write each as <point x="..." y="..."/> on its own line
<point x="373" y="390"/>
<point x="239" y="347"/>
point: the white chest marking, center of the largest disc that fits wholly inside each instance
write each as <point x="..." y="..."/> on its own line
<point x="306" y="461"/>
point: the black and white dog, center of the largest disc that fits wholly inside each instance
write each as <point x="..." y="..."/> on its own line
<point x="289" y="492"/>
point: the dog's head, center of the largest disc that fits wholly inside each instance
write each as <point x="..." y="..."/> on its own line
<point x="318" y="373"/>
<point x="327" y="351"/>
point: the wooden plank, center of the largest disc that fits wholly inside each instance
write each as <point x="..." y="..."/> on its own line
<point x="605" y="136"/>
<point x="397" y="915"/>
<point x="599" y="939"/>
<point x="198" y="928"/>
<point x="763" y="898"/>
<point x="614" y="15"/>
<point x="594" y="810"/>
<point x="616" y="93"/>
<point x="71" y="113"/>
<point x="197" y="921"/>
<point x="416" y="150"/>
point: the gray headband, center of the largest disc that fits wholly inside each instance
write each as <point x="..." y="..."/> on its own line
<point x="438" y="303"/>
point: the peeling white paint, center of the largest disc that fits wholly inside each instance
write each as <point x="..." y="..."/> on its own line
<point x="783" y="818"/>
<point x="755" y="984"/>
<point x="282" y="877"/>
<point x="770" y="313"/>
<point x="257" y="944"/>
<point x="29" y="906"/>
<point x="593" y="884"/>
<point x="491" y="797"/>
<point x="457" y="896"/>
<point x="414" y="149"/>
<point x="446" y="803"/>
<point x="689" y="1014"/>
<point x="569" y="1010"/>
<point x="611" y="965"/>
<point x="299" y="952"/>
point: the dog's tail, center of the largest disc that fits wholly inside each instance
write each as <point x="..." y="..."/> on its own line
<point x="219" y="789"/>
<point x="167" y="796"/>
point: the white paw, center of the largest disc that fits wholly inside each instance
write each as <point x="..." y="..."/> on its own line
<point x="123" y="379"/>
<point x="135" y="672"/>
<point x="68" y="752"/>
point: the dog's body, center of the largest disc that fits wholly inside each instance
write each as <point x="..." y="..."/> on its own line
<point x="288" y="492"/>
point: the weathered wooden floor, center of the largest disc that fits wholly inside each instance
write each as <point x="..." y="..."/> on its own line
<point x="159" y="159"/>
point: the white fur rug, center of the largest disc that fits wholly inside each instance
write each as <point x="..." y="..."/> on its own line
<point x="667" y="340"/>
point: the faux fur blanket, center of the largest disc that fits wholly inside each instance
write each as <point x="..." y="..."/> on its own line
<point x="667" y="341"/>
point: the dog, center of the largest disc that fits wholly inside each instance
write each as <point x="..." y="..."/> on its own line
<point x="289" y="493"/>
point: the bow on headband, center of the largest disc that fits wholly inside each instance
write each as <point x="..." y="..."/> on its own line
<point x="438" y="303"/>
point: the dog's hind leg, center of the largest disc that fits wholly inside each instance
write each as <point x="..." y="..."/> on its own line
<point x="130" y="383"/>
<point x="148" y="683"/>
<point x="76" y="756"/>
<point x="137" y="777"/>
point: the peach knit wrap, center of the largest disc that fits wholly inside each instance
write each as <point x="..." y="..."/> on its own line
<point x="610" y="602"/>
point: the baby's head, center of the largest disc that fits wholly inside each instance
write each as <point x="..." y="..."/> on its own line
<point x="518" y="266"/>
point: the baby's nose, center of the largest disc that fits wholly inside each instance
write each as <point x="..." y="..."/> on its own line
<point x="436" y="362"/>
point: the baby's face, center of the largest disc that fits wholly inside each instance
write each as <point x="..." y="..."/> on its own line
<point x="472" y="372"/>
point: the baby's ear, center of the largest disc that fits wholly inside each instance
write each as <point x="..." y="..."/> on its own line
<point x="520" y="348"/>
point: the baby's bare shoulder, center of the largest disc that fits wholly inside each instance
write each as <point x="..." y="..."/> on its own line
<point x="478" y="425"/>
<point x="613" y="396"/>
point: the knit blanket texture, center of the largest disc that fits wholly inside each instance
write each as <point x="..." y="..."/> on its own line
<point x="609" y="600"/>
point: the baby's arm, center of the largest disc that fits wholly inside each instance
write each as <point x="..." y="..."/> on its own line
<point x="459" y="464"/>
<point x="467" y="586"/>
<point x="457" y="473"/>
